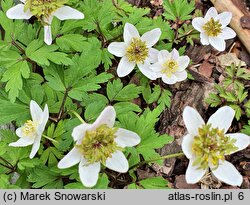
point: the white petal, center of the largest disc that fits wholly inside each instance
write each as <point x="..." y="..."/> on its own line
<point x="47" y="35"/>
<point x="153" y="55"/>
<point x="163" y="56"/>
<point x="79" y="131"/>
<point x="22" y="142"/>
<point x="117" y="162"/>
<point x="117" y="48"/>
<point x="19" y="132"/>
<point x="126" y="138"/>
<point x="23" y="1"/>
<point x="175" y="54"/>
<point x="35" y="147"/>
<point x="227" y="33"/>
<point x="204" y="39"/>
<point x="45" y="117"/>
<point x="130" y="32"/>
<point x="222" y="118"/>
<point x="226" y="172"/>
<point x="224" y="18"/>
<point x="145" y="69"/>
<point x="71" y="159"/>
<point x="183" y="62"/>
<point x="198" y="23"/>
<point x="67" y="12"/>
<point x="156" y="67"/>
<point x="192" y="120"/>
<point x="218" y="43"/>
<point x="125" y="67"/>
<point x="193" y="173"/>
<point x="151" y="37"/>
<point x="89" y="173"/>
<point x="242" y="140"/>
<point x="181" y="75"/>
<point x="186" y="145"/>
<point x="211" y="13"/>
<point x="169" y="80"/>
<point x="17" y="12"/>
<point x="107" y="117"/>
<point x="36" y="112"/>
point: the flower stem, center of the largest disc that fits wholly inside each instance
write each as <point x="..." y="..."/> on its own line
<point x="78" y="116"/>
<point x="49" y="138"/>
<point x="7" y="164"/>
<point x="156" y="159"/>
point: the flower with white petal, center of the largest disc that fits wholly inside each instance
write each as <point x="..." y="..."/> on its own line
<point x="213" y="28"/>
<point x="136" y="50"/>
<point x="99" y="143"/>
<point x="44" y="10"/>
<point x="206" y="144"/>
<point x="31" y="132"/>
<point x="171" y="67"/>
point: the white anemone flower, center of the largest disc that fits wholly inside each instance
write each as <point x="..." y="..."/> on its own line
<point x="31" y="132"/>
<point x="213" y="28"/>
<point x="99" y="143"/>
<point x="136" y="50"/>
<point x="206" y="144"/>
<point x="171" y="67"/>
<point x="44" y="10"/>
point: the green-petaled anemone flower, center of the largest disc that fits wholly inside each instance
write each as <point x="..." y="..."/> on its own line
<point x="136" y="50"/>
<point x="206" y="144"/>
<point x="31" y="132"/>
<point x="213" y="28"/>
<point x="99" y="143"/>
<point x="44" y="10"/>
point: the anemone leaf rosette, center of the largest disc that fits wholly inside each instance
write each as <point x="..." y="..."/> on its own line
<point x="31" y="132"/>
<point x="44" y="10"/>
<point x="206" y="145"/>
<point x="171" y="67"/>
<point x="99" y="143"/>
<point x="213" y="28"/>
<point x="136" y="50"/>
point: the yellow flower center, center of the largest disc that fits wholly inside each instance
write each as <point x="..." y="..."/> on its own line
<point x="210" y="146"/>
<point x="137" y="51"/>
<point x="43" y="8"/>
<point x="212" y="28"/>
<point x="170" y="67"/>
<point x="98" y="145"/>
<point x="29" y="128"/>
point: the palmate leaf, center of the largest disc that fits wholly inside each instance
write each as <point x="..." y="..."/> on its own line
<point x="178" y="9"/>
<point x="144" y="127"/>
<point x="71" y="42"/>
<point x="12" y="111"/>
<point x="43" y="54"/>
<point x="43" y="177"/>
<point x="116" y="91"/>
<point x="16" y="70"/>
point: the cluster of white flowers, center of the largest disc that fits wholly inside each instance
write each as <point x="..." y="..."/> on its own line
<point x="95" y="144"/>
<point x="136" y="50"/>
<point x="101" y="143"/>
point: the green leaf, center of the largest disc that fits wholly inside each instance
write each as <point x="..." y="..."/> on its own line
<point x="41" y="54"/>
<point x="70" y="42"/>
<point x="154" y="183"/>
<point x="116" y="91"/>
<point x="43" y="177"/>
<point x="12" y="111"/>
